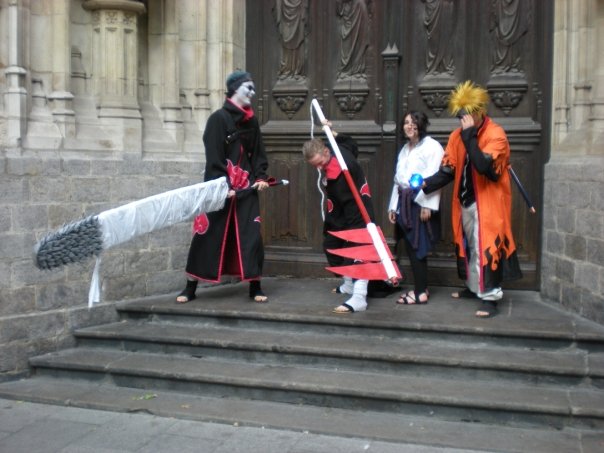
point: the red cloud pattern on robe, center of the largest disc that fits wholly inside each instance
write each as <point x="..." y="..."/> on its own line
<point x="329" y="205"/>
<point x="365" y="189"/>
<point x="239" y="178"/>
<point x="201" y="224"/>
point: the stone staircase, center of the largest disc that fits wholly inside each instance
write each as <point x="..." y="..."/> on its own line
<point x="528" y="380"/>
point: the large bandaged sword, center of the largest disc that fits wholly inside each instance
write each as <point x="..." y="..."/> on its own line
<point x="92" y="235"/>
<point x="374" y="260"/>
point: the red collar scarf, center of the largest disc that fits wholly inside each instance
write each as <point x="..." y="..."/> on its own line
<point x="248" y="112"/>
<point x="332" y="169"/>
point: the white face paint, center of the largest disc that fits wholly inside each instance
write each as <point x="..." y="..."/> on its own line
<point x="244" y="94"/>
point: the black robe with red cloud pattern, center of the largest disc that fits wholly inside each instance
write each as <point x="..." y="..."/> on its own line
<point x="342" y="212"/>
<point x="229" y="241"/>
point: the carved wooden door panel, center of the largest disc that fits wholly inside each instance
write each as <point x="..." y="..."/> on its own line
<point x="367" y="62"/>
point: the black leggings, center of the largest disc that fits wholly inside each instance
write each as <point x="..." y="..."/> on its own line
<point x="418" y="267"/>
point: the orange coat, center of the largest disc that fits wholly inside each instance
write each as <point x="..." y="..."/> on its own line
<point x="498" y="259"/>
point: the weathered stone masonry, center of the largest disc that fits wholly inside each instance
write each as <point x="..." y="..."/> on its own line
<point x="103" y="102"/>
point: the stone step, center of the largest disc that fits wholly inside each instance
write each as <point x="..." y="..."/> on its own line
<point x="317" y="420"/>
<point x="529" y="379"/>
<point x="453" y="399"/>
<point x="410" y="357"/>
<point x="524" y="321"/>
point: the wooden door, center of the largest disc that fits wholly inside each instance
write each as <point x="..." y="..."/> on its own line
<point x="367" y="62"/>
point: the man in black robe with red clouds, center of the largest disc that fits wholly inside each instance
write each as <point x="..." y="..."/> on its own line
<point x="342" y="212"/>
<point x="228" y="242"/>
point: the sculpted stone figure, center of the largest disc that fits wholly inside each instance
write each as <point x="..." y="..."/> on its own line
<point x="354" y="31"/>
<point x="509" y="22"/>
<point x="291" y="18"/>
<point x="439" y="20"/>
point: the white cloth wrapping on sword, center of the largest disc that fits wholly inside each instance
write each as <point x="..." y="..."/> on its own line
<point x="153" y="213"/>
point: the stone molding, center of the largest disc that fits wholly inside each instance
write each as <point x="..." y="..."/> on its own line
<point x="132" y="6"/>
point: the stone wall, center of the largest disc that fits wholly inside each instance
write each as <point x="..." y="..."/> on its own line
<point x="572" y="265"/>
<point x="80" y="134"/>
<point x="38" y="194"/>
<point x="573" y="235"/>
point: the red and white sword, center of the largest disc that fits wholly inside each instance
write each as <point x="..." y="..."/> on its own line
<point x="377" y="261"/>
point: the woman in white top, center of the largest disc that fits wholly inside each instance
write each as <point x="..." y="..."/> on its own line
<point x="414" y="213"/>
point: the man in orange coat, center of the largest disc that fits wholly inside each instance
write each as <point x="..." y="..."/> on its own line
<point x="477" y="159"/>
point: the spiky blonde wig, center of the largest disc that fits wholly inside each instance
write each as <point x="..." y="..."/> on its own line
<point x="470" y="97"/>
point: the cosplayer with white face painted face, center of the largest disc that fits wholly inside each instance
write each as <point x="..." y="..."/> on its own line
<point x="244" y="94"/>
<point x="228" y="242"/>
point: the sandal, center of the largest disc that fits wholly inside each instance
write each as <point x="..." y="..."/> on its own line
<point x="487" y="310"/>
<point x="464" y="294"/>
<point x="343" y="309"/>
<point x="409" y="298"/>
<point x="256" y="292"/>
<point x="187" y="294"/>
<point x="354" y="304"/>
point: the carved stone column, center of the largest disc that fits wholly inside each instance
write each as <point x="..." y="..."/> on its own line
<point x="115" y="56"/>
<point x="61" y="98"/>
<point x="597" y="111"/>
<point x="193" y="30"/>
<point x="170" y="74"/>
<point x="15" y="96"/>
<point x="225" y="46"/>
<point x="576" y="63"/>
<point x="42" y="131"/>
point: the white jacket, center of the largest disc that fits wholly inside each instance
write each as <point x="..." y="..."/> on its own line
<point x="425" y="159"/>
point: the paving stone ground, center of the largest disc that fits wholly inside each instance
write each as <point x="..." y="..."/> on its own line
<point x="33" y="428"/>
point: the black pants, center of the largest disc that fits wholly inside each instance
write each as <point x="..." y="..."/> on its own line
<point x="418" y="267"/>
